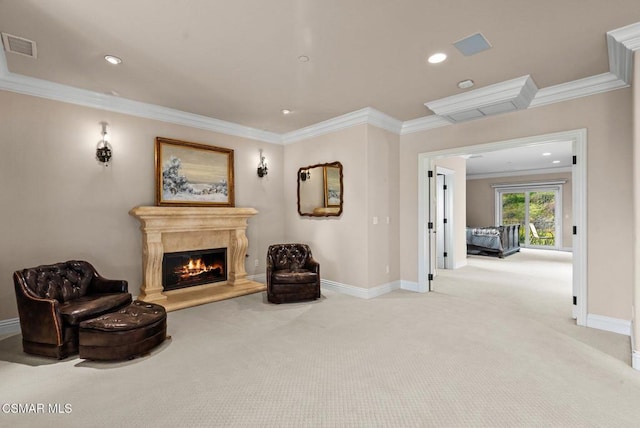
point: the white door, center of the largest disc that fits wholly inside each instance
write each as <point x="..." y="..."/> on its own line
<point x="431" y="231"/>
<point x="441" y="242"/>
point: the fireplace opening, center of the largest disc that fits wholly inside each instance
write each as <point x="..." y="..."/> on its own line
<point x="190" y="268"/>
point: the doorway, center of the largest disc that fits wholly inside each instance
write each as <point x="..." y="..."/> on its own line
<point x="427" y="209"/>
<point x="538" y="211"/>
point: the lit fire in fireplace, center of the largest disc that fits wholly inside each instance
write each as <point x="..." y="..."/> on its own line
<point x="197" y="267"/>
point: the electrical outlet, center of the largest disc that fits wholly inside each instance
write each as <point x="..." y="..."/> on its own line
<point x="256" y="263"/>
<point x="375" y="220"/>
<point x="387" y="268"/>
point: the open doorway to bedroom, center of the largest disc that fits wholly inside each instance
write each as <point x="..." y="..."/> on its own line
<point x="555" y="225"/>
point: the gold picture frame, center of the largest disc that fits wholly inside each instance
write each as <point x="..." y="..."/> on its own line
<point x="193" y="174"/>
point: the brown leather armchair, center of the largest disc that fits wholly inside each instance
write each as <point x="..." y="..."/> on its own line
<point x="54" y="299"/>
<point x="292" y="274"/>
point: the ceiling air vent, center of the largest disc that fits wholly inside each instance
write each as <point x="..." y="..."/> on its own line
<point x="473" y="44"/>
<point x="19" y="45"/>
<point x="511" y="95"/>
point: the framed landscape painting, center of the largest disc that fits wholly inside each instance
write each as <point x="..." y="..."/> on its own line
<point x="191" y="174"/>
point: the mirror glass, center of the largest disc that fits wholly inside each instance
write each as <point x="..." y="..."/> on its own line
<point x="320" y="190"/>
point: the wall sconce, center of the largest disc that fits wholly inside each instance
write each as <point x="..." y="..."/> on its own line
<point x="305" y="175"/>
<point x="262" y="166"/>
<point x="103" y="152"/>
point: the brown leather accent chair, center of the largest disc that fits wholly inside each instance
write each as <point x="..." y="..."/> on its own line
<point x="54" y="299"/>
<point x="292" y="274"/>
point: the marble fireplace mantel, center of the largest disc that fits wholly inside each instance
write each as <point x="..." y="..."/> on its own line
<point x="173" y="229"/>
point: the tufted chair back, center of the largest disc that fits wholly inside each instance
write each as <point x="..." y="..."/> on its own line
<point x="292" y="274"/>
<point x="288" y="256"/>
<point x="62" y="281"/>
<point x="54" y="299"/>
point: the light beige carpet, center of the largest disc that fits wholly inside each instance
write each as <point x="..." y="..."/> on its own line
<point x="484" y="349"/>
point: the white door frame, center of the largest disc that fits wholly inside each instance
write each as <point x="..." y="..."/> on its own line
<point x="578" y="137"/>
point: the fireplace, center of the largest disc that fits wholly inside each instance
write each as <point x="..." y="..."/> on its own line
<point x="167" y="230"/>
<point x="190" y="268"/>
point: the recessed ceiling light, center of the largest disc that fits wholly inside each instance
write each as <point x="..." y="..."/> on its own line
<point x="546" y="154"/>
<point x="465" y="84"/>
<point x="556" y="161"/>
<point x="437" y="58"/>
<point x="112" y="59"/>
<point x="285" y="111"/>
<point x="303" y="58"/>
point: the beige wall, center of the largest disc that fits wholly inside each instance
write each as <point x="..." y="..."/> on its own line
<point x="383" y="204"/>
<point x="335" y="241"/>
<point x="608" y="120"/>
<point x="481" y="207"/>
<point x="58" y="203"/>
<point x="351" y="250"/>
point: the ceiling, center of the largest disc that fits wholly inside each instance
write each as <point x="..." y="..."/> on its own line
<point x="238" y="61"/>
<point x="532" y="159"/>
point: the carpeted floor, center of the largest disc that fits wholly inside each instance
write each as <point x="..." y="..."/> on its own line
<point x="484" y="349"/>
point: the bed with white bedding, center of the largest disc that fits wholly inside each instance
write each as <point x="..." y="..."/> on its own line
<point x="498" y="241"/>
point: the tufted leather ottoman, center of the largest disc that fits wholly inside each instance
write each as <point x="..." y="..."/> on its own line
<point x="125" y="334"/>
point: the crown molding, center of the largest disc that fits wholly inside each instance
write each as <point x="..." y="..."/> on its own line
<point x="58" y="92"/>
<point x="578" y="88"/>
<point x="621" y="43"/>
<point x="552" y="94"/>
<point x="423" y="124"/>
<point x="69" y="94"/>
<point x="366" y="115"/>
<point x="384" y="121"/>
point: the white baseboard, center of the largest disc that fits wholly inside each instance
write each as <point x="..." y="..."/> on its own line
<point x="614" y="325"/>
<point x="460" y="264"/>
<point x="10" y="326"/>
<point x="409" y="286"/>
<point x="363" y="293"/>
<point x="635" y="360"/>
<point x="635" y="355"/>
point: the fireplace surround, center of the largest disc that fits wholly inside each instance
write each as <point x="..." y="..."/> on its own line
<point x="180" y="229"/>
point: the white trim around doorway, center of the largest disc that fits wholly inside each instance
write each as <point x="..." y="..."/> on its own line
<point x="578" y="137"/>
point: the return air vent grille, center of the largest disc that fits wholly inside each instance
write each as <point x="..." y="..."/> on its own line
<point x="512" y="95"/>
<point x="473" y="44"/>
<point x="19" y="45"/>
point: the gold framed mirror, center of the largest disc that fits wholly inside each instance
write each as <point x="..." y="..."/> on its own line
<point x="320" y="190"/>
